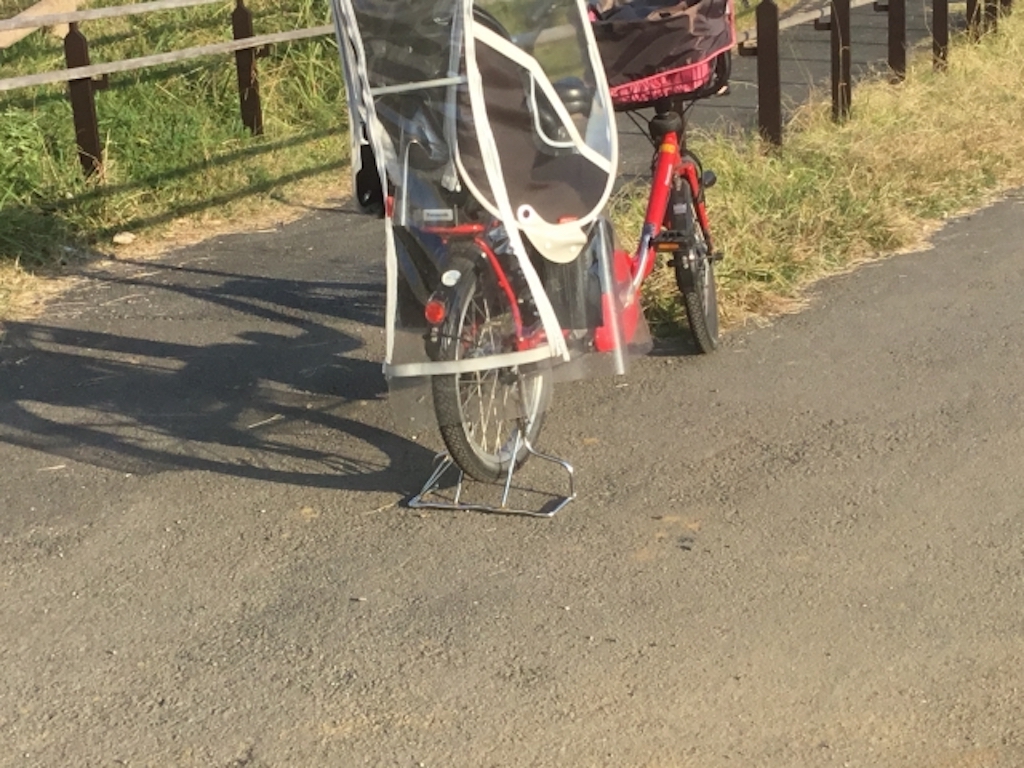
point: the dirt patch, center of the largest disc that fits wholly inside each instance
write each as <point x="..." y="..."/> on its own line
<point x="264" y="216"/>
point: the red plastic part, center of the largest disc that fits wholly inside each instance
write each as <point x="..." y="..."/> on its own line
<point x="461" y="230"/>
<point x="629" y="317"/>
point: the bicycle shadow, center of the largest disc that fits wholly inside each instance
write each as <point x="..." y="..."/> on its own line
<point x="284" y="392"/>
<point x="678" y="343"/>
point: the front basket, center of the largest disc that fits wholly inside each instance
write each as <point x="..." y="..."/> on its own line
<point x="654" y="49"/>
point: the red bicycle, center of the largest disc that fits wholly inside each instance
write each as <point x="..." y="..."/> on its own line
<point x="653" y="59"/>
<point x="656" y="56"/>
<point x="488" y="143"/>
<point x="676" y="224"/>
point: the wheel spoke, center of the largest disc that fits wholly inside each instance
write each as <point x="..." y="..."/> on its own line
<point x="479" y="389"/>
<point x="492" y="399"/>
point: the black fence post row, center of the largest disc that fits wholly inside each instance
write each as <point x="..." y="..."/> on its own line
<point x="245" y="63"/>
<point x="897" y="22"/>
<point x="83" y="103"/>
<point x="840" y="27"/>
<point x="769" y="77"/>
<point x="940" y="33"/>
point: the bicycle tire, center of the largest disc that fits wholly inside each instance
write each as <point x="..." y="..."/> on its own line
<point x="695" y="272"/>
<point x="478" y="322"/>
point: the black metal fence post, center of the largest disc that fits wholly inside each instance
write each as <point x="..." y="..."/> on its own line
<point x="990" y="20"/>
<point x="940" y="33"/>
<point x="972" y="18"/>
<point x="897" y="21"/>
<point x="769" y="78"/>
<point x="83" y="103"/>
<point x="245" y="63"/>
<point x="841" y="77"/>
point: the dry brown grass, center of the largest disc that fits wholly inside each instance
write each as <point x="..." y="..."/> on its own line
<point x="24" y="294"/>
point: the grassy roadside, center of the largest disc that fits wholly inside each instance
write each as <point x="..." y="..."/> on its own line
<point x="836" y="195"/>
<point x="174" y="143"/>
<point x="833" y="196"/>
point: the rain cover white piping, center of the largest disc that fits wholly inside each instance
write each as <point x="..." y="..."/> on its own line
<point x="361" y="109"/>
<point x="356" y="117"/>
<point x="492" y="167"/>
<point x="357" y="79"/>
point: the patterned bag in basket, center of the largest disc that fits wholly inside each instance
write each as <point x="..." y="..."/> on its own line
<point x="652" y="49"/>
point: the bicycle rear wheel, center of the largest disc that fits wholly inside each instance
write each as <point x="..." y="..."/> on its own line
<point x="695" y="271"/>
<point x="481" y="413"/>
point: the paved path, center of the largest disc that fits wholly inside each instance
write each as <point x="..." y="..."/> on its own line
<point x="804" y="550"/>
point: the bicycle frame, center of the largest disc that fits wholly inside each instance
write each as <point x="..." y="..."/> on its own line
<point x="606" y="336"/>
<point x="671" y="160"/>
<point x="475" y="233"/>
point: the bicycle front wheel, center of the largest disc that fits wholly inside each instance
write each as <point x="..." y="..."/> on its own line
<point x="695" y="271"/>
<point x="483" y="415"/>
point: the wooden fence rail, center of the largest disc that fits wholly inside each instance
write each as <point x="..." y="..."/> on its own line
<point x="156" y="59"/>
<point x="763" y="42"/>
<point x="114" y="11"/>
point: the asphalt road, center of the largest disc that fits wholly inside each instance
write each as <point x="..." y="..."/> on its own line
<point x="804" y="550"/>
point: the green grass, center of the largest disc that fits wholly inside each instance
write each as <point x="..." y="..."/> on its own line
<point x="174" y="143"/>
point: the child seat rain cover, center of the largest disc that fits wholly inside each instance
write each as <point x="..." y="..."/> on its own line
<point x="497" y="117"/>
<point x="657" y="48"/>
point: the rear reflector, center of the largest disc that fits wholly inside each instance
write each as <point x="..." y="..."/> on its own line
<point x="435" y="311"/>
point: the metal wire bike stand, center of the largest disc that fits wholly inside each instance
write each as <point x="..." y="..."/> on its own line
<point x="429" y="498"/>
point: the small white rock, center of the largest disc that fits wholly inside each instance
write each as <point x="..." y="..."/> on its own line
<point x="124" y="238"/>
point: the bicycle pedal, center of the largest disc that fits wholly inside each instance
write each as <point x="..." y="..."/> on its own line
<point x="672" y="236"/>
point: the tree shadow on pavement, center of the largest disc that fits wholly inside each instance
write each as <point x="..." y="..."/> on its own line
<point x="197" y="369"/>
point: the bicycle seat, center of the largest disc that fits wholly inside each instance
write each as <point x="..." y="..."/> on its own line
<point x="421" y="132"/>
<point x="575" y="95"/>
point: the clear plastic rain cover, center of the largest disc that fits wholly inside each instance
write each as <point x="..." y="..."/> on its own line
<point x="493" y="139"/>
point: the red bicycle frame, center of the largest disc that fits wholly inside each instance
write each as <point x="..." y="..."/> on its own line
<point x="475" y="232"/>
<point x="628" y="271"/>
<point x="670" y="161"/>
